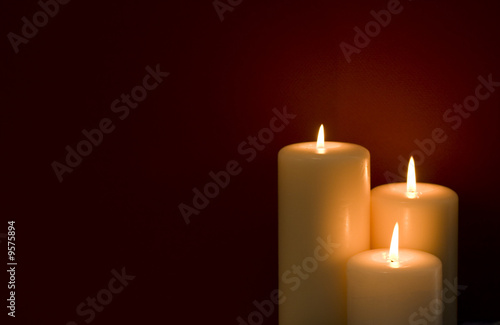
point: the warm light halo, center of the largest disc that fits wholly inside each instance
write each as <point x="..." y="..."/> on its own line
<point x="394" y="249"/>
<point x="411" y="180"/>
<point x="320" y="144"/>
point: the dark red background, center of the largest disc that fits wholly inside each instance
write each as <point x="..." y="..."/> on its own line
<point x="119" y="207"/>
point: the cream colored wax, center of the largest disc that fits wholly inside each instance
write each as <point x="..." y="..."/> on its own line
<point x="381" y="292"/>
<point x="323" y="201"/>
<point x="428" y="221"/>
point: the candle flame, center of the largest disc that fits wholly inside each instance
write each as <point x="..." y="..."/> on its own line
<point x="320" y="144"/>
<point x="394" y="250"/>
<point x="411" y="180"/>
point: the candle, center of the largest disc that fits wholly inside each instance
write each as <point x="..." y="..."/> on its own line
<point x="394" y="287"/>
<point x="323" y="202"/>
<point x="428" y="217"/>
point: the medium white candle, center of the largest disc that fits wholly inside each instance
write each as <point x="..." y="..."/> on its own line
<point x="393" y="288"/>
<point x="428" y="219"/>
<point x="324" y="195"/>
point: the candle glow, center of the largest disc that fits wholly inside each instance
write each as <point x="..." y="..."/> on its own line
<point x="394" y="249"/>
<point x="320" y="143"/>
<point x="321" y="138"/>
<point x="411" y="180"/>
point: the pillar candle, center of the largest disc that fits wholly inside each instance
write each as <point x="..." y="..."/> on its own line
<point x="394" y="286"/>
<point x="381" y="292"/>
<point x="323" y="202"/>
<point x="428" y="219"/>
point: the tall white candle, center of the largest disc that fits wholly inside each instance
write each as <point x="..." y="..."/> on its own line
<point x="386" y="288"/>
<point x="324" y="195"/>
<point x="428" y="219"/>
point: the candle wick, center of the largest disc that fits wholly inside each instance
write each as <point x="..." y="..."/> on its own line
<point x="411" y="194"/>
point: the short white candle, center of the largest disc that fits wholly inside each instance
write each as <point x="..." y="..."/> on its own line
<point x="385" y="288"/>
